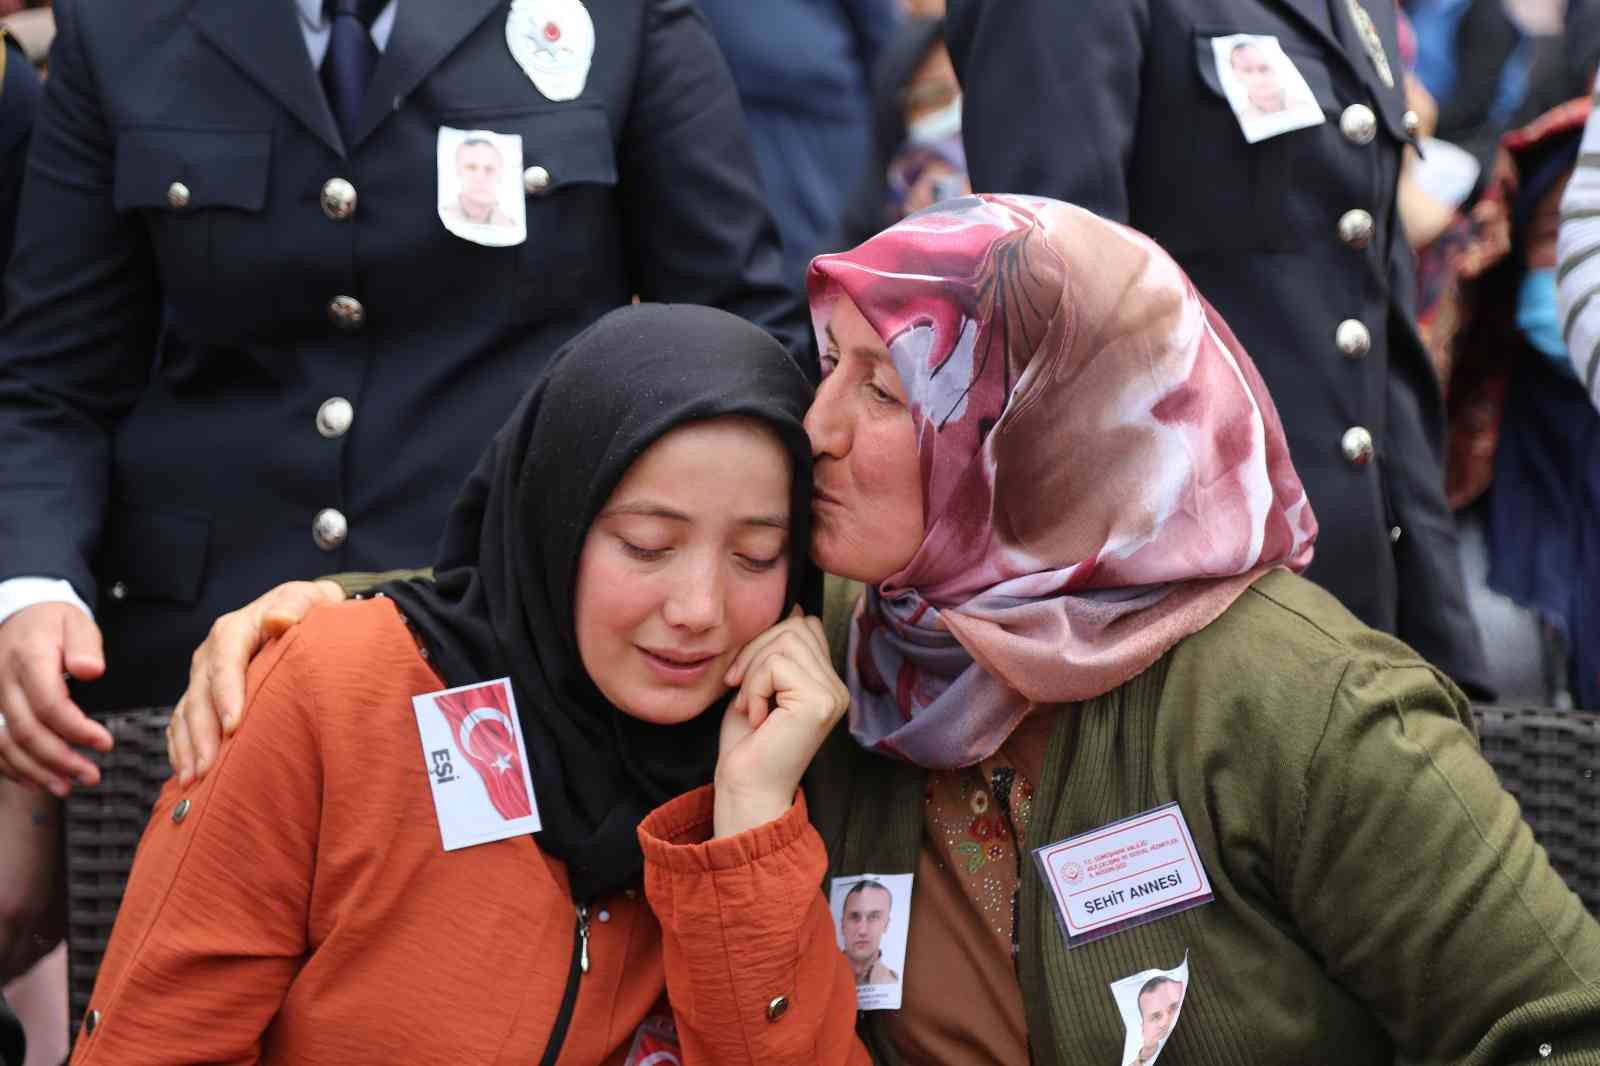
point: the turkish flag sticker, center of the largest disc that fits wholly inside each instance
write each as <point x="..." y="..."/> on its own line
<point x="476" y="763"/>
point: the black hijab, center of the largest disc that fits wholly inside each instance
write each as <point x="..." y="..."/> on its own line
<point x="501" y="603"/>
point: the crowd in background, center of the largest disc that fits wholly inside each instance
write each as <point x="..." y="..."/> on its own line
<point x="1482" y="550"/>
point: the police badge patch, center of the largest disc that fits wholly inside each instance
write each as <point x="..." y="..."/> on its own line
<point x="553" y="42"/>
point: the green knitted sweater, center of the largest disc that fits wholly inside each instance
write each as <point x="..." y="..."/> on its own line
<point x="1377" y="892"/>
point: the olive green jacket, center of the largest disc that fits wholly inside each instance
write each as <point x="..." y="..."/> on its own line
<point x="1376" y="891"/>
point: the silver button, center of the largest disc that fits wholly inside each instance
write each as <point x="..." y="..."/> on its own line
<point x="777" y="1008"/>
<point x="118" y="590"/>
<point x="1545" y="1050"/>
<point x="329" y="529"/>
<point x="334" y="417"/>
<point x="338" y="199"/>
<point x="604" y="916"/>
<point x="1412" y="122"/>
<point x="1357" y="446"/>
<point x="347" y="312"/>
<point x="536" y="179"/>
<point x="1394" y="534"/>
<point x="91" y="1021"/>
<point x="1358" y="124"/>
<point x="181" y="811"/>
<point x="1355" y="228"/>
<point x="177" y="195"/>
<point x="1353" y="338"/>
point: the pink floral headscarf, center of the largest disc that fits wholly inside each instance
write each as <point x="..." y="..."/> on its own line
<point x="1103" y="471"/>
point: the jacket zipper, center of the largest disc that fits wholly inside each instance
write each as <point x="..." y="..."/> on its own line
<point x="569" y="999"/>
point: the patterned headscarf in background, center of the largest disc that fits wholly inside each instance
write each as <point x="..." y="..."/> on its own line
<point x="1103" y="471"/>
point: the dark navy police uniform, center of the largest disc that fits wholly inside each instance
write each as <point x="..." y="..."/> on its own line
<point x="240" y="351"/>
<point x="1295" y="239"/>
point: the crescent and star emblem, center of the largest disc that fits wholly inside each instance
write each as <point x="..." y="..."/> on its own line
<point x="476" y="718"/>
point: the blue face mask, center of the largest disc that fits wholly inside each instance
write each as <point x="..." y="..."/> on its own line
<point x="1538" y="316"/>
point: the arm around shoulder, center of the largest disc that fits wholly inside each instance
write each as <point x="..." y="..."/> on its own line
<point x="1416" y="880"/>
<point x="212" y="930"/>
<point x="754" y="971"/>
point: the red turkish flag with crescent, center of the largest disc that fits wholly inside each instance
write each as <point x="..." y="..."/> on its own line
<point x="480" y="721"/>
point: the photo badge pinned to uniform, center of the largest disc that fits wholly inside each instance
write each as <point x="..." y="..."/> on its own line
<point x="477" y="763"/>
<point x="553" y="42"/>
<point x="872" y="914"/>
<point x="1130" y="872"/>
<point x="1267" y="92"/>
<point x="1149" y="1002"/>
<point x="480" y="186"/>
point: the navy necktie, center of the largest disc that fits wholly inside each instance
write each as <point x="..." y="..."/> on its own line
<point x="351" y="57"/>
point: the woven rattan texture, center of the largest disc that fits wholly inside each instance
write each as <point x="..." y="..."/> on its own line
<point x="1550" y="760"/>
<point x="103" y="828"/>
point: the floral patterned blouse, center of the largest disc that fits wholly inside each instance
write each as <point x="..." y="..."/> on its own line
<point x="969" y="875"/>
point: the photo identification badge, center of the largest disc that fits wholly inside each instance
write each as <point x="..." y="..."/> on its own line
<point x="1124" y="874"/>
<point x="1149" y="1003"/>
<point x="1268" y="94"/>
<point x="480" y="186"/>
<point x="477" y="763"/>
<point x="872" y="913"/>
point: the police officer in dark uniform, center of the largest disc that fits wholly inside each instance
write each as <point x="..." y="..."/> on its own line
<point x="242" y="343"/>
<point x="1125" y="109"/>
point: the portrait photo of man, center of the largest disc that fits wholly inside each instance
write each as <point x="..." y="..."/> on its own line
<point x="866" y="918"/>
<point x="1268" y="94"/>
<point x="871" y="912"/>
<point x="1149" y="1002"/>
<point x="1159" y="1000"/>
<point x="1263" y="89"/>
<point x="480" y="186"/>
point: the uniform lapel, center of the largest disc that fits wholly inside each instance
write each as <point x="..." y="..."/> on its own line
<point x="1317" y="17"/>
<point x="265" y="42"/>
<point x="425" y="33"/>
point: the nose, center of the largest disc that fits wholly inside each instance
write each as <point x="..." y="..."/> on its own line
<point x="695" y="602"/>
<point x="827" y="421"/>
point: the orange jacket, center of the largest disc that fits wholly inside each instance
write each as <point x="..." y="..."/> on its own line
<point x="302" y="910"/>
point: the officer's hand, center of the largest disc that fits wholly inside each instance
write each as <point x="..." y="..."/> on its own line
<point x="213" y="704"/>
<point x="39" y="645"/>
<point x="789" y="700"/>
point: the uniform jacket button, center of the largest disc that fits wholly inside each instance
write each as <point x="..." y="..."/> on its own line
<point x="1355" y="228"/>
<point x="177" y="195"/>
<point x="347" y="312"/>
<point x="91" y="1021"/>
<point x="777" y="1008"/>
<point x="1358" y="124"/>
<point x="334" y="417"/>
<point x="1357" y="446"/>
<point x="329" y="529"/>
<point x="536" y="179"/>
<point x="118" y="590"/>
<point x="1353" y="338"/>
<point x="338" y="199"/>
<point x="1412" y="122"/>
<point x="180" y="812"/>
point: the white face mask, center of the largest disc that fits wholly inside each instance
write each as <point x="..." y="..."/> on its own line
<point x="931" y="129"/>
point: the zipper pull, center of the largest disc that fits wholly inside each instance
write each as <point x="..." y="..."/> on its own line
<point x="583" y="937"/>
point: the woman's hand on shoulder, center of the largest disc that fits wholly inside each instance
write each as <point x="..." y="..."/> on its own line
<point x="213" y="704"/>
<point x="789" y="699"/>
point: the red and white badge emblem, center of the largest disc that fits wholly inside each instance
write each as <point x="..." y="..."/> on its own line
<point x="476" y="763"/>
<point x="553" y="42"/>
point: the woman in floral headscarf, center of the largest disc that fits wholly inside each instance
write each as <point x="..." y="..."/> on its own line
<point x="1068" y="496"/>
<point x="1070" y="499"/>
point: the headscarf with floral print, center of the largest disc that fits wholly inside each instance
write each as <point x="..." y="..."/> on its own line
<point x="1103" y="471"/>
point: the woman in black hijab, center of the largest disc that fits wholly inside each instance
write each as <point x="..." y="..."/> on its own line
<point x="622" y="553"/>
